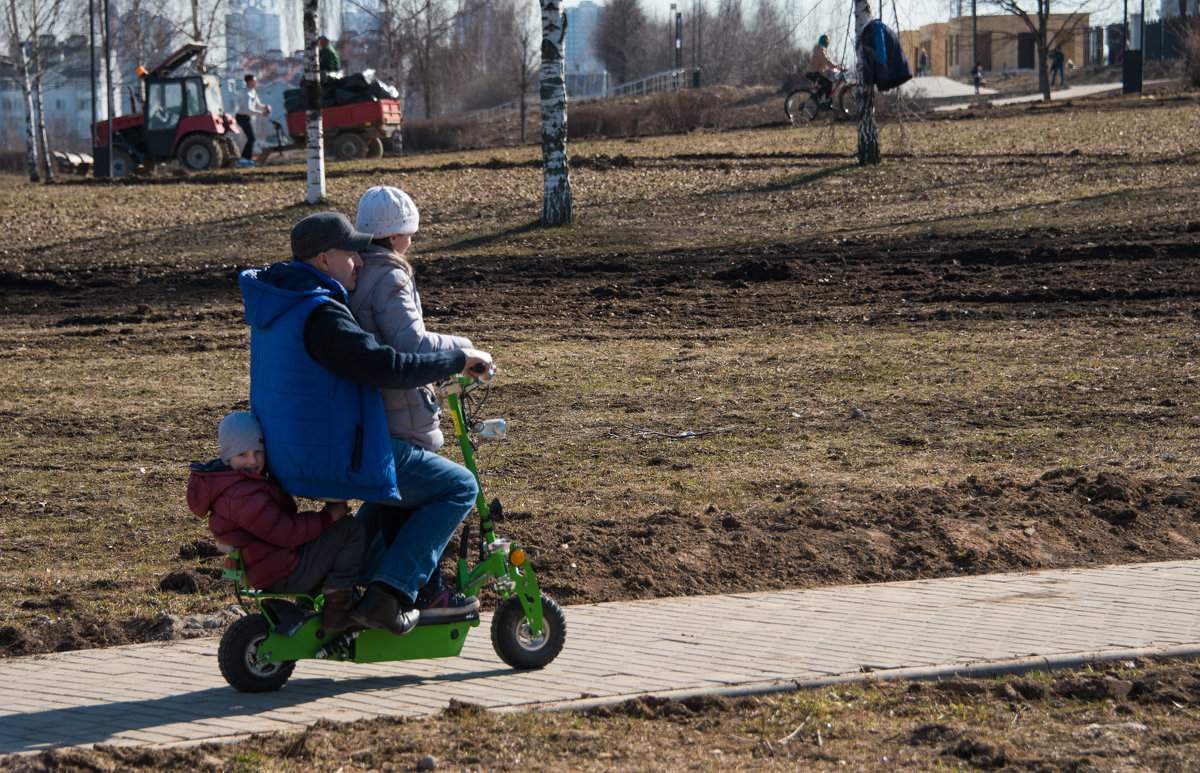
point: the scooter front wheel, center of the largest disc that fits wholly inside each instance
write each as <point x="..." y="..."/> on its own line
<point x="517" y="645"/>
<point x="238" y="657"/>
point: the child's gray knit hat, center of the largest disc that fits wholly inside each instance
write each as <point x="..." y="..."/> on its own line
<point x="239" y="431"/>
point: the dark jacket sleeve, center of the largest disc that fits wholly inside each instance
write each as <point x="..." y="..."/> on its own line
<point x="334" y="339"/>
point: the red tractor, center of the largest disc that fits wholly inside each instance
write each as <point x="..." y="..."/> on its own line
<point x="184" y="119"/>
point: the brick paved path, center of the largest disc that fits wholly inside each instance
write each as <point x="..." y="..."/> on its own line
<point x="173" y="693"/>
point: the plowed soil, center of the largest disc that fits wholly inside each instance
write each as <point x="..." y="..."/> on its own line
<point x="991" y="513"/>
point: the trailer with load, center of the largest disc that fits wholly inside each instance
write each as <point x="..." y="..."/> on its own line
<point x="360" y="118"/>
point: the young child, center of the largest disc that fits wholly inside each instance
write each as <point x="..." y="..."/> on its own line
<point x="283" y="550"/>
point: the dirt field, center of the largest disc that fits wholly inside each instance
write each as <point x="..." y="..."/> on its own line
<point x="749" y="364"/>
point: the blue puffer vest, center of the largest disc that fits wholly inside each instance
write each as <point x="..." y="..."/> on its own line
<point x="326" y="437"/>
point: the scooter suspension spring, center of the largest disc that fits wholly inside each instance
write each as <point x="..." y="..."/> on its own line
<point x="338" y="648"/>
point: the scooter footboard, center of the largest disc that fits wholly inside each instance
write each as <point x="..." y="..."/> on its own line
<point x="441" y="640"/>
<point x="438" y="640"/>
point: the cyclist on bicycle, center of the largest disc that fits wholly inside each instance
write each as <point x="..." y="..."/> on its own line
<point x="822" y="68"/>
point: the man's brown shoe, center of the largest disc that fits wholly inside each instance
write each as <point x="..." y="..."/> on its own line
<point x="336" y="612"/>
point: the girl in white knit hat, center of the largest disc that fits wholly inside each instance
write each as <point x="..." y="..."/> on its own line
<point x="385" y="302"/>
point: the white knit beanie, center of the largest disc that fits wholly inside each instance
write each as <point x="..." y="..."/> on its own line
<point x="384" y="211"/>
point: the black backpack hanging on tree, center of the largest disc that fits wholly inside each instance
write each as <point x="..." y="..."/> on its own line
<point x="887" y="66"/>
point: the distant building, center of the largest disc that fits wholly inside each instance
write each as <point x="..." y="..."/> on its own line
<point x="357" y="18"/>
<point x="66" y="96"/>
<point x="585" y="73"/>
<point x="1002" y="43"/>
<point x="1170" y="8"/>
<point x="252" y="30"/>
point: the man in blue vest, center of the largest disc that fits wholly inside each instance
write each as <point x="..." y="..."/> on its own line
<point x="315" y="377"/>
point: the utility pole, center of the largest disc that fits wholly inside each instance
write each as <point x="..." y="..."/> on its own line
<point x="108" y="88"/>
<point x="677" y="45"/>
<point x="697" y="19"/>
<point x="678" y="37"/>
<point x="974" y="36"/>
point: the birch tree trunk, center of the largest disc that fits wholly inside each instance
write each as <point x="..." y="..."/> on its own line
<point x="30" y="127"/>
<point x="39" y="104"/>
<point x="43" y="141"/>
<point x="314" y="131"/>
<point x="13" y="33"/>
<point x="556" y="203"/>
<point x="109" y="90"/>
<point x="868" y="134"/>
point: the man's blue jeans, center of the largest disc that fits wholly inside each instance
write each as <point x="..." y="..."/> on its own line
<point x="443" y="493"/>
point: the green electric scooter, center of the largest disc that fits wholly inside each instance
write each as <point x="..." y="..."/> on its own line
<point x="259" y="651"/>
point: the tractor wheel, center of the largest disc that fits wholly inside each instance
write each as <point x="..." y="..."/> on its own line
<point x="348" y="146"/>
<point x="200" y="152"/>
<point x="237" y="656"/>
<point x="515" y="643"/>
<point x="123" y="164"/>
<point x="375" y="148"/>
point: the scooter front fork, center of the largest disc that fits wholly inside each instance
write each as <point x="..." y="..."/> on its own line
<point x="506" y="566"/>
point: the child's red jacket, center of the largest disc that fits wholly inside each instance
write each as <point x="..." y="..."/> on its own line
<point x="256" y="515"/>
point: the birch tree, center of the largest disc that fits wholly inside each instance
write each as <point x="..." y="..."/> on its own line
<point x="146" y="35"/>
<point x="314" y="131"/>
<point x="523" y="62"/>
<point x="556" y="200"/>
<point x="391" y="19"/>
<point x="205" y="19"/>
<point x="868" y="134"/>
<point x="25" y="24"/>
<point x="13" y="35"/>
<point x="39" y="104"/>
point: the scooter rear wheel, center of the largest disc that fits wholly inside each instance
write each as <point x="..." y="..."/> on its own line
<point x="517" y="645"/>
<point x="238" y="657"/>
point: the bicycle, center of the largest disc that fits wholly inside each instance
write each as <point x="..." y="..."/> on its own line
<point x="809" y="101"/>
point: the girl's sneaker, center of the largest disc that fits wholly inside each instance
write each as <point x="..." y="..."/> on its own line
<point x="444" y="603"/>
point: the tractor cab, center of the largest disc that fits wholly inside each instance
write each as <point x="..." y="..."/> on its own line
<point x="176" y="107"/>
<point x="183" y="107"/>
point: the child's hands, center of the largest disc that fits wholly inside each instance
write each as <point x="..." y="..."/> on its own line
<point x="478" y="362"/>
<point x="338" y="510"/>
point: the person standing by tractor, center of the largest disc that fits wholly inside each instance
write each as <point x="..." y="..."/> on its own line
<point x="249" y="105"/>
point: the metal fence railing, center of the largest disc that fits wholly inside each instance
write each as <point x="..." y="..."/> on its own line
<point x="668" y="80"/>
